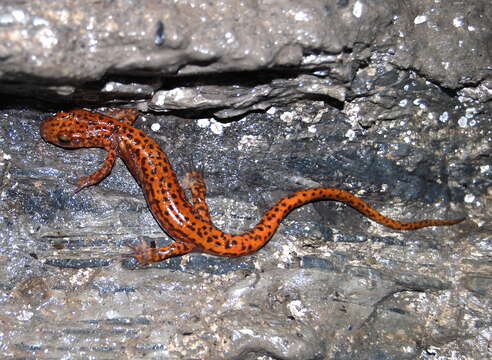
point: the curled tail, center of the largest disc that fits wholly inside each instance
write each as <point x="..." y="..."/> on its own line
<point x="252" y="240"/>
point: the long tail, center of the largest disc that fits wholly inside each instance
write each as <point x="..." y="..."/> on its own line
<point x="252" y="240"/>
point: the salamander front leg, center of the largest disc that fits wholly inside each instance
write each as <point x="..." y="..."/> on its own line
<point x="126" y="115"/>
<point x="146" y="254"/>
<point x="100" y="174"/>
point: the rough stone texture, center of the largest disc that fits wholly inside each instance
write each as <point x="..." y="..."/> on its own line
<point x="91" y="52"/>
<point x="391" y="100"/>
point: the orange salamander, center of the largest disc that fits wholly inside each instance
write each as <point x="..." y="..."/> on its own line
<point x="188" y="223"/>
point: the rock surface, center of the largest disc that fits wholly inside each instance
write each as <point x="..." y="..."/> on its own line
<point x="388" y="99"/>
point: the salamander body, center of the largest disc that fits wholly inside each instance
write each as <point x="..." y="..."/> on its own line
<point x="188" y="223"/>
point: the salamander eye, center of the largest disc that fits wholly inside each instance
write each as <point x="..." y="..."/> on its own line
<point x="63" y="138"/>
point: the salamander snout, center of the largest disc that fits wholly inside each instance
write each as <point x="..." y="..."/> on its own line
<point x="56" y="130"/>
<point x="64" y="130"/>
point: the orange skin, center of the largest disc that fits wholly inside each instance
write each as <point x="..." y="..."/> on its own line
<point x="189" y="224"/>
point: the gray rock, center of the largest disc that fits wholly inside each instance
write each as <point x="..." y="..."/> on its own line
<point x="95" y="52"/>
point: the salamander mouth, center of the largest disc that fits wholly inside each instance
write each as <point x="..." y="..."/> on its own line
<point x="52" y="135"/>
<point x="42" y="130"/>
<point x="45" y="131"/>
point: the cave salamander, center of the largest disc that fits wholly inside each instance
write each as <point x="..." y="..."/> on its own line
<point x="188" y="223"/>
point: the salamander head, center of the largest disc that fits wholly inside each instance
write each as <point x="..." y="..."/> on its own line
<point x="77" y="128"/>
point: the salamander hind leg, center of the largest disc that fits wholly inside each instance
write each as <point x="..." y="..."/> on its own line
<point x="193" y="180"/>
<point x="146" y="254"/>
<point x="100" y="174"/>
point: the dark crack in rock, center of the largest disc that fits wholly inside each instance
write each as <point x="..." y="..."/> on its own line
<point x="91" y="53"/>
